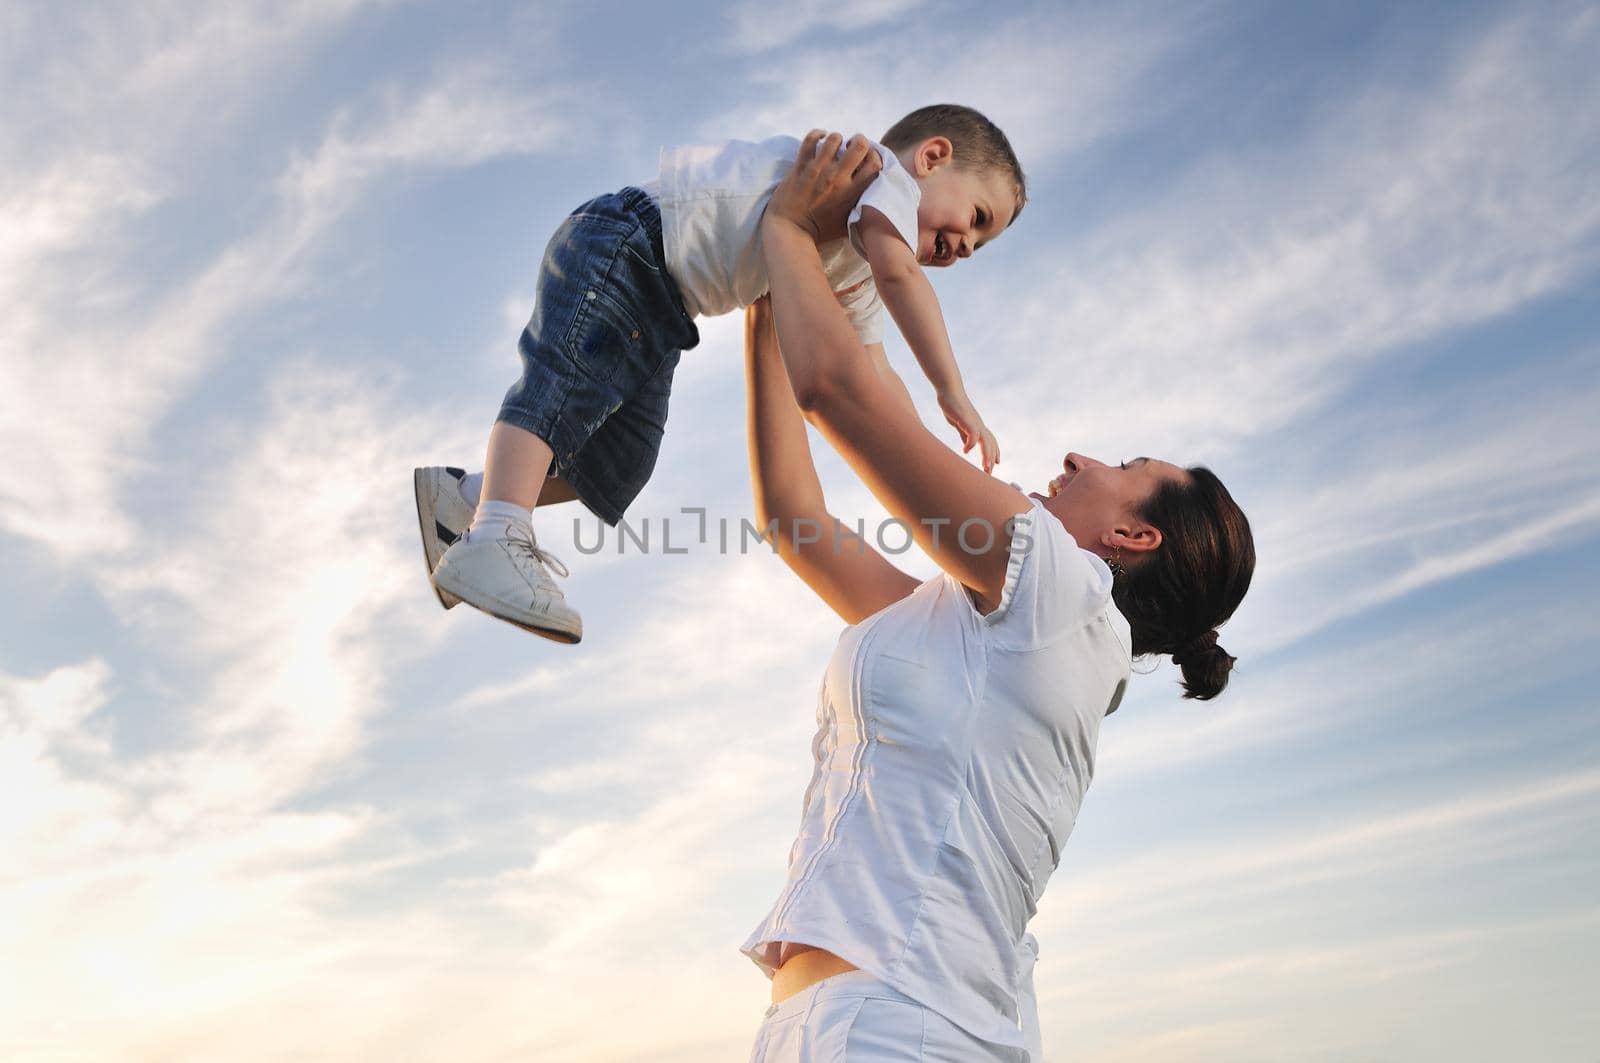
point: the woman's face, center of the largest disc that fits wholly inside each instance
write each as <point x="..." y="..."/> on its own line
<point x="1099" y="503"/>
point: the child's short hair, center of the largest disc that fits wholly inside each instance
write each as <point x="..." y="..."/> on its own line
<point x="979" y="144"/>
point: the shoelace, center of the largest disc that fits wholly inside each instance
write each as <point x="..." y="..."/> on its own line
<point x="522" y="539"/>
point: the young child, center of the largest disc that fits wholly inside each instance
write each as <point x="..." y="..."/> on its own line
<point x="622" y="281"/>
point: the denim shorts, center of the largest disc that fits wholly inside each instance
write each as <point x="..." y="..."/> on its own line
<point x="598" y="354"/>
<point x="856" y="1018"/>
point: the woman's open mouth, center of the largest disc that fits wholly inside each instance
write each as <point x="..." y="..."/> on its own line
<point x="941" y="250"/>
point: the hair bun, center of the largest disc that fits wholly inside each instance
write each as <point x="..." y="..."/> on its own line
<point x="1196" y="647"/>
<point x="1205" y="666"/>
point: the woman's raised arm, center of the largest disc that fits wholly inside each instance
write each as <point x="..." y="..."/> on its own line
<point x="956" y="512"/>
<point x="845" y="571"/>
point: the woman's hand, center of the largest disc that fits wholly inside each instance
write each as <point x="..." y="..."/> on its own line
<point x="824" y="184"/>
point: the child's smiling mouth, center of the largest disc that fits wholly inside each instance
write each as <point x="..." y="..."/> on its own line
<point x="941" y="250"/>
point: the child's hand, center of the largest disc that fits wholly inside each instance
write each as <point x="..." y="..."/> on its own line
<point x="959" y="411"/>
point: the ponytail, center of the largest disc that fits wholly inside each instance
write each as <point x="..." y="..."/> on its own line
<point x="1180" y="593"/>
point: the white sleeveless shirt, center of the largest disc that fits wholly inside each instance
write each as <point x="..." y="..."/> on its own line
<point x="951" y="755"/>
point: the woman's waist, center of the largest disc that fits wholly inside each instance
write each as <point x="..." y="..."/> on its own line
<point x="841" y="921"/>
<point x="990" y="1013"/>
<point x="802" y="966"/>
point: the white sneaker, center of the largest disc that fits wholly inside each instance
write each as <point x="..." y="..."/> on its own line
<point x="442" y="515"/>
<point x="507" y="578"/>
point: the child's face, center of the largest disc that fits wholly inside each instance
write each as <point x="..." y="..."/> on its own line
<point x="960" y="210"/>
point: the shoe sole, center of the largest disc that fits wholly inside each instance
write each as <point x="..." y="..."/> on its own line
<point x="427" y="517"/>
<point x="553" y="634"/>
<point x="563" y="637"/>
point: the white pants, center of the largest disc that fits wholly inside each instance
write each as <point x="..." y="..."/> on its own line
<point x="855" y="1018"/>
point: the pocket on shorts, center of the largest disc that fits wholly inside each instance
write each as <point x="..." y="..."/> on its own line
<point x="604" y="328"/>
<point x="640" y="250"/>
<point x="884" y="1031"/>
<point x="779" y="1038"/>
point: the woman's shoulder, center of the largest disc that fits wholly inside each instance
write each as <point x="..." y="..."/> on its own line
<point x="1051" y="583"/>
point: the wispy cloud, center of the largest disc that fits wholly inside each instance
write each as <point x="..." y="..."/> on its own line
<point x="467" y="117"/>
<point x="280" y="602"/>
<point x="1272" y="933"/>
<point x="1366" y="680"/>
<point x="1261" y="284"/>
<point x="1392" y="511"/>
<point x="1300" y="991"/>
<point x="137" y="80"/>
<point x="761" y="27"/>
<point x="125" y="366"/>
<point x="1054" y="81"/>
<point x="281" y="585"/>
<point x="1355" y="850"/>
<point x="275" y="774"/>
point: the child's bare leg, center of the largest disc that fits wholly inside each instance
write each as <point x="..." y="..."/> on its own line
<point x="555" y="491"/>
<point x="515" y="467"/>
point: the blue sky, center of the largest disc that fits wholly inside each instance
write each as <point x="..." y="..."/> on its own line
<point x="259" y="260"/>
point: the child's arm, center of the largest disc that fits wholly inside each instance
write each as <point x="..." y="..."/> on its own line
<point x="906" y="291"/>
<point x="897" y="387"/>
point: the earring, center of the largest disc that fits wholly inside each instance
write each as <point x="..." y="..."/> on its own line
<point x="1115" y="561"/>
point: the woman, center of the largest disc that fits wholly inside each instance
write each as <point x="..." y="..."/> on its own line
<point x="958" y="717"/>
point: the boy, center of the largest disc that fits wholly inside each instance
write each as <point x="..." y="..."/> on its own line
<point x="621" y="283"/>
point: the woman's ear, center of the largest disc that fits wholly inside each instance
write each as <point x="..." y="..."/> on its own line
<point x="1134" y="537"/>
<point x="934" y="153"/>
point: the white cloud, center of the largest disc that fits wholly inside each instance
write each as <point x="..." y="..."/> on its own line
<point x="1304" y="991"/>
<point x="1330" y="691"/>
<point x="1272" y="933"/>
<point x="221" y="47"/>
<point x="173" y="884"/>
<point x="1459" y="825"/>
<point x="281" y="582"/>
<point x="291" y="594"/>
<point x="122" y="369"/>
<point x="136" y="80"/>
<point x="256" y="857"/>
<point x="1054" y="81"/>
<point x="759" y="27"/>
<point x="465" y="118"/>
<point x="1466" y="477"/>
<point x="1263" y="282"/>
<point x="44" y="722"/>
<point x="104" y="899"/>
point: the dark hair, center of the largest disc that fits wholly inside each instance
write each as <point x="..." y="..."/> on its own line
<point x="1181" y="592"/>
<point x="980" y="146"/>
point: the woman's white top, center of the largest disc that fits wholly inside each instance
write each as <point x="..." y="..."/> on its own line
<point x="951" y="755"/>
<point x="712" y="197"/>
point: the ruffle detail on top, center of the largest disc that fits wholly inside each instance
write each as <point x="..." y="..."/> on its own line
<point x="1021" y="523"/>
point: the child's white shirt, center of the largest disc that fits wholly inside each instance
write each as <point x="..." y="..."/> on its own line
<point x="712" y="198"/>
